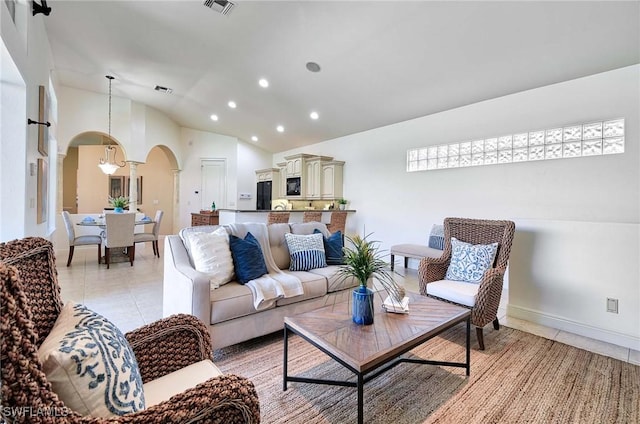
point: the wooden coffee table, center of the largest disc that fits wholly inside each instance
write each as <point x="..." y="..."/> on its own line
<point x="370" y="350"/>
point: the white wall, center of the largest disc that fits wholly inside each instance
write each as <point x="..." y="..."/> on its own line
<point x="26" y="63"/>
<point x="199" y="145"/>
<point x="555" y="200"/>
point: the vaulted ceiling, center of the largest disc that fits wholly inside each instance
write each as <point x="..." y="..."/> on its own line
<point x="380" y="62"/>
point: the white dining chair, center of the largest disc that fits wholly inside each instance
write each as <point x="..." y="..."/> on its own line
<point x="153" y="235"/>
<point x="118" y="233"/>
<point x="74" y="241"/>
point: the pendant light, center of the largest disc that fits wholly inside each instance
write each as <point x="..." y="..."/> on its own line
<point x="107" y="165"/>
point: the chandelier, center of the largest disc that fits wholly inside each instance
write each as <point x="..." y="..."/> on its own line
<point x="108" y="165"/>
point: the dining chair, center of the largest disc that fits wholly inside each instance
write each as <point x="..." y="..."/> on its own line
<point x="118" y="233"/>
<point x="74" y="241"/>
<point x="153" y="235"/>
<point x="312" y="216"/>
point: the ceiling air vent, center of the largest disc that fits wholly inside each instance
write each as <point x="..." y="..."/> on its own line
<point x="222" y="6"/>
<point x="162" y="89"/>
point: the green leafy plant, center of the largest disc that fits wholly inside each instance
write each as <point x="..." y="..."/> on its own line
<point x="119" y="202"/>
<point x="363" y="261"/>
<point x="342" y="201"/>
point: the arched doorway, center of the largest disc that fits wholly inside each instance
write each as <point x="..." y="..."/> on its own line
<point x="86" y="188"/>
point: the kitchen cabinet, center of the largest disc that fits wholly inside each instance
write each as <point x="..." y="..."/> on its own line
<point x="294" y="166"/>
<point x="313" y="178"/>
<point x="331" y="180"/>
<point x="280" y="189"/>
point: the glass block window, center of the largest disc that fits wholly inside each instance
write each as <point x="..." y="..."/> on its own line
<point x="572" y="141"/>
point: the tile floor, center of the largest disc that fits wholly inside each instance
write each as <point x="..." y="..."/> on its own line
<point x="132" y="296"/>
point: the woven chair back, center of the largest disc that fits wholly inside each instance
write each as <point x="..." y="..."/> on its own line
<point x="481" y="231"/>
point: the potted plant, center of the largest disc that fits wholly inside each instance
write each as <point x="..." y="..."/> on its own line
<point x="119" y="203"/>
<point x="342" y="204"/>
<point x="363" y="261"/>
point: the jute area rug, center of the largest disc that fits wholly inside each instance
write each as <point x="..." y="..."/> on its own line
<point x="519" y="378"/>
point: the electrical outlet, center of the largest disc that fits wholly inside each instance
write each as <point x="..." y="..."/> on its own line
<point x="612" y="305"/>
<point x="245" y="196"/>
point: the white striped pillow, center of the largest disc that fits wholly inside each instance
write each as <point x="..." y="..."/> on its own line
<point x="306" y="251"/>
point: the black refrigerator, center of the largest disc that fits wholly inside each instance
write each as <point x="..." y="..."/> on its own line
<point x="263" y="197"/>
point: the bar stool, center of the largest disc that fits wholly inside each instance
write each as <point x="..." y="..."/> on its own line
<point x="278" y="218"/>
<point x="312" y="216"/>
<point x="338" y="221"/>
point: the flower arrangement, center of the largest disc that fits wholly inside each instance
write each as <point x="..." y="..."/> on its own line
<point x="119" y="202"/>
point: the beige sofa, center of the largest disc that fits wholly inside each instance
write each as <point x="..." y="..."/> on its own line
<point x="229" y="310"/>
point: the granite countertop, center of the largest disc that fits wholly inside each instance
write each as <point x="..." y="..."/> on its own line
<point x="281" y="210"/>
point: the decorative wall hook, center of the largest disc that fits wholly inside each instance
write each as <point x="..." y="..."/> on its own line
<point x="41" y="8"/>
<point x="31" y="121"/>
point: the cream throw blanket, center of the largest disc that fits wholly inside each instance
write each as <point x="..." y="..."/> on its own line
<point x="274" y="285"/>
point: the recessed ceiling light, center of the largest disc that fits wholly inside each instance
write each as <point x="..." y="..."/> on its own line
<point x="313" y="66"/>
<point x="280" y="128"/>
<point x="214" y="117"/>
<point x="263" y="83"/>
<point x="314" y="115"/>
<point x="254" y="138"/>
<point x="232" y="104"/>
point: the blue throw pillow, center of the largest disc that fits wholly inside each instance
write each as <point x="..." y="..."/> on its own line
<point x="306" y="251"/>
<point x="436" y="237"/>
<point x="247" y="258"/>
<point x="333" y="247"/>
<point x="469" y="262"/>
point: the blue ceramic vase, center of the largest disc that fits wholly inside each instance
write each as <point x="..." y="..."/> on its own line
<point x="118" y="210"/>
<point x="362" y="312"/>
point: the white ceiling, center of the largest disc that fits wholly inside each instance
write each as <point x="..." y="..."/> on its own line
<point x="382" y="62"/>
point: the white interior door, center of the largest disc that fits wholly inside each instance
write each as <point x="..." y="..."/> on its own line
<point x="214" y="183"/>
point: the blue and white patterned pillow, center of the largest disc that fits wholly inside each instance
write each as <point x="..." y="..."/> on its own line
<point x="436" y="237"/>
<point x="306" y="251"/>
<point x="91" y="365"/>
<point x="469" y="262"/>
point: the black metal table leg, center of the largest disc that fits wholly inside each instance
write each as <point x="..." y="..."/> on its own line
<point x="284" y="367"/>
<point x="468" y="346"/>
<point x="360" y="398"/>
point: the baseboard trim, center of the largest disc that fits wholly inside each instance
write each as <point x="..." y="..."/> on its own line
<point x="574" y="327"/>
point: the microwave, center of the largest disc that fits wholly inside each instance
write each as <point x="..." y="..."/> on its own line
<point x="293" y="186"/>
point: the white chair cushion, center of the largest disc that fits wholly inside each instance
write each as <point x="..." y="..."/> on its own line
<point x="454" y="291"/>
<point x="163" y="388"/>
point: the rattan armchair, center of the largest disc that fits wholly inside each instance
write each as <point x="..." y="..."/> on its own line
<point x="475" y="231"/>
<point x="30" y="305"/>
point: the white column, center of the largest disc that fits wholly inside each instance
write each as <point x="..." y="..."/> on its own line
<point x="133" y="186"/>
<point x="176" y="200"/>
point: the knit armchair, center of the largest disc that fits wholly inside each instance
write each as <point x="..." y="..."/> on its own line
<point x="484" y="305"/>
<point x="30" y="301"/>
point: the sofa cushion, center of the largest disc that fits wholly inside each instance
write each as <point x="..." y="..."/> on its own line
<point x="306" y="251"/>
<point x="333" y="247"/>
<point x="278" y="244"/>
<point x="309" y="227"/>
<point x="314" y="285"/>
<point x="231" y="301"/>
<point x="469" y="262"/>
<point x="91" y="365"/>
<point x="455" y="291"/>
<point x="163" y="388"/>
<point x="184" y="235"/>
<point x="248" y="260"/>
<point x="210" y="254"/>
<point x="335" y="282"/>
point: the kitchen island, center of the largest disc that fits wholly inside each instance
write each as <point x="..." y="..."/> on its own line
<point x="230" y="216"/>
